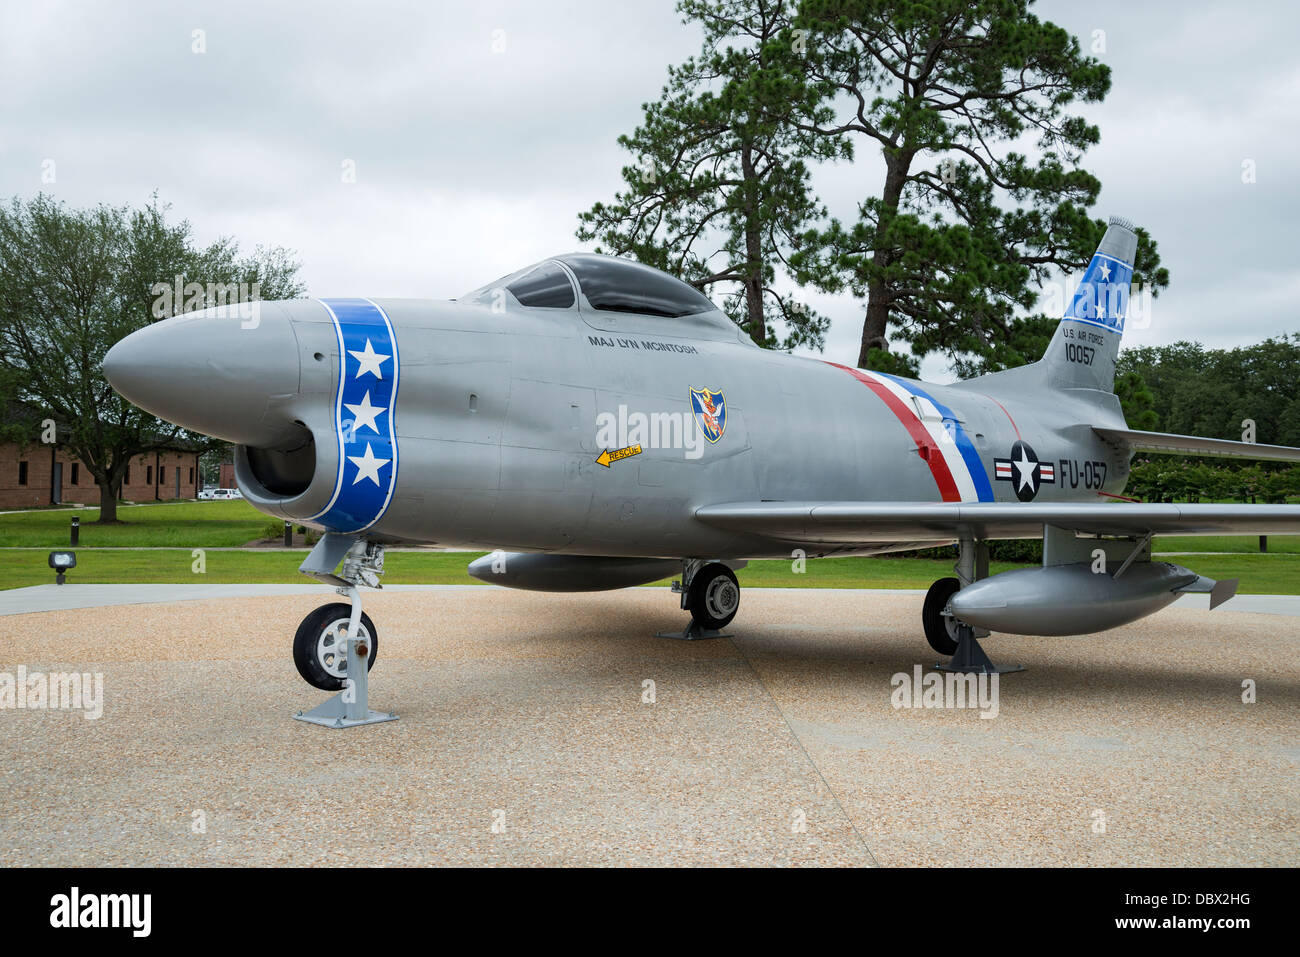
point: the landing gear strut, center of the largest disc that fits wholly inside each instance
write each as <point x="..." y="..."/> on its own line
<point x="711" y="594"/>
<point x="337" y="644"/>
<point x="949" y="635"/>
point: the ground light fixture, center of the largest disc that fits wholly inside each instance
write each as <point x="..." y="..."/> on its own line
<point x="61" y="562"/>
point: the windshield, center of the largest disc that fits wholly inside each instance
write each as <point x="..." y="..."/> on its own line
<point x="544" y="286"/>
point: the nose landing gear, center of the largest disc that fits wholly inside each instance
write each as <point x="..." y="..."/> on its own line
<point x="336" y="645"/>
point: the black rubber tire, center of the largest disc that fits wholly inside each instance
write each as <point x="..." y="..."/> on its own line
<point x="309" y="634"/>
<point x="937" y="630"/>
<point x="714" y="597"/>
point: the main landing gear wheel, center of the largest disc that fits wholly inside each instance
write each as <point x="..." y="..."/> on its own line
<point x="940" y="629"/>
<point x="714" y="597"/>
<point x="320" y="646"/>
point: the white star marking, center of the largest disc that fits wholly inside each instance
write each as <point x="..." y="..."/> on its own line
<point x="1023" y="466"/>
<point x="367" y="465"/>
<point x="369" y="359"/>
<point x="1105" y="271"/>
<point x="364" y="414"/>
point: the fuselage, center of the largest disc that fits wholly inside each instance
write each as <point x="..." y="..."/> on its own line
<point x="501" y="415"/>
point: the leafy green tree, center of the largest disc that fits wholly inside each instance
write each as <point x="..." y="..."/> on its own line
<point x="1251" y="481"/>
<point x="719" y="192"/>
<point x="1204" y="406"/>
<point x="948" y="250"/>
<point x="1142" y="480"/>
<point x="1264" y="376"/>
<point x="74" y="282"/>
<point x="1289" y="430"/>
<point x="1201" y="391"/>
<point x="1137" y="400"/>
<point x="1278" y="485"/>
<point x="1161" y="368"/>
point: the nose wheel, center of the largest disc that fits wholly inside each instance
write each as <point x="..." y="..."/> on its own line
<point x="320" y="647"/>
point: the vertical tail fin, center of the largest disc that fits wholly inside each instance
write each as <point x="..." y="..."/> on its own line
<point x="1085" y="346"/>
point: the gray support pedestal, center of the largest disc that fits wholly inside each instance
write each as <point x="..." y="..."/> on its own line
<point x="970" y="658"/>
<point x="693" y="632"/>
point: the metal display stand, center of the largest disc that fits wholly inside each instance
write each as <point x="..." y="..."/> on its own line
<point x="693" y="632"/>
<point x="970" y="659"/>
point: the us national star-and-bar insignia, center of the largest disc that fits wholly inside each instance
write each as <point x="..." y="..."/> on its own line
<point x="710" y="411"/>
<point x="1023" y="470"/>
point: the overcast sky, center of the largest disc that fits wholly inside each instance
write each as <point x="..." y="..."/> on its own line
<point x="479" y="130"/>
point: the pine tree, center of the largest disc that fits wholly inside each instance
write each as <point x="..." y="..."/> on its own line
<point x="719" y="192"/>
<point x="949" y="249"/>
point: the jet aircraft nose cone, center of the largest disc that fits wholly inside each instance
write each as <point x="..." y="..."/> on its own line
<point x="217" y="371"/>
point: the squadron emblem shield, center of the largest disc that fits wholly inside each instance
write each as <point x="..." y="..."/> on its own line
<point x="710" y="411"/>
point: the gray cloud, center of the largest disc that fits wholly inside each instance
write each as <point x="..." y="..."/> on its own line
<point x="471" y="162"/>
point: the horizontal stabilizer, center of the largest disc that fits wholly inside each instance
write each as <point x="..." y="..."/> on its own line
<point x="1195" y="445"/>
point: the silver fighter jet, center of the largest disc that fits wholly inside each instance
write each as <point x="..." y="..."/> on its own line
<point x="601" y="424"/>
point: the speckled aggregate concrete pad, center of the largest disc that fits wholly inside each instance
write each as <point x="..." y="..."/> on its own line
<point x="777" y="746"/>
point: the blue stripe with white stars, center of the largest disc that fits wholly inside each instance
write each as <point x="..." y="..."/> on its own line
<point x="1102" y="296"/>
<point x="364" y="404"/>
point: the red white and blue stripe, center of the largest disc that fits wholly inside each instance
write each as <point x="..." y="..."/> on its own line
<point x="940" y="439"/>
<point x="364" y="405"/>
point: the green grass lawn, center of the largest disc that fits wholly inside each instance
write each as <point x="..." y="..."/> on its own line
<point x="179" y="524"/>
<point x="230" y="524"/>
<point x="115" y="554"/>
<point x="1279" y="544"/>
<point x="1259" y="574"/>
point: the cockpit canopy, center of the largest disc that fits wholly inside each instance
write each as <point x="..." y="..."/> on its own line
<point x="604" y="284"/>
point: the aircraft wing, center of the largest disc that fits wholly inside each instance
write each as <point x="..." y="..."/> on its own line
<point x="1171" y="444"/>
<point x="852" y="523"/>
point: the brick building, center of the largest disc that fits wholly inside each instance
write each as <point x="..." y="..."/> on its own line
<point x="37" y="474"/>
